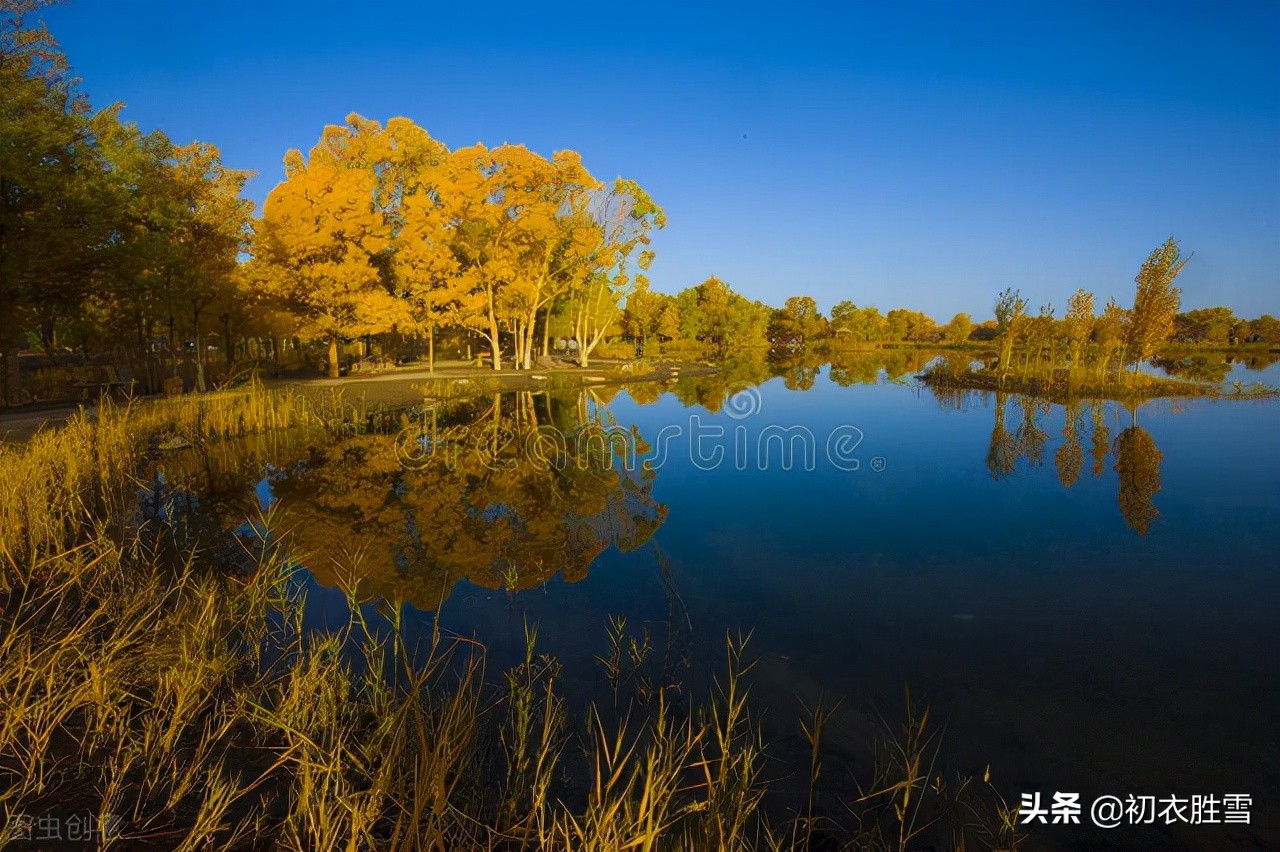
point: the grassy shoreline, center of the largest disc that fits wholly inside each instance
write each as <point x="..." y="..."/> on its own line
<point x="1131" y="387"/>
<point x="181" y="702"/>
<point x="20" y="424"/>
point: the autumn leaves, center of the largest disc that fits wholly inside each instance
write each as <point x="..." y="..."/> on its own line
<point x="384" y="228"/>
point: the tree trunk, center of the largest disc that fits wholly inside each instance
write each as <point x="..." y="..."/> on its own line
<point x="200" y="386"/>
<point x="1006" y="354"/>
<point x="494" y="340"/>
<point x="173" y="352"/>
<point x="526" y="340"/>
<point x="579" y="337"/>
<point x="546" y="333"/>
<point x="431" y="349"/>
<point x="333" y="357"/>
<point x="526" y="349"/>
<point x="195" y="322"/>
<point x="517" y="344"/>
<point x="494" y="348"/>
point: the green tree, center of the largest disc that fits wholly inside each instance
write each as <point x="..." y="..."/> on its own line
<point x="796" y="323"/>
<point x="910" y="326"/>
<point x="723" y="320"/>
<point x="959" y="329"/>
<point x="1038" y="340"/>
<point x="669" y="320"/>
<point x="623" y="214"/>
<point x="1206" y="325"/>
<point x="209" y="234"/>
<point x="1264" y="329"/>
<point x="1109" y="335"/>
<point x="644" y="313"/>
<point x="55" y="211"/>
<point x="852" y="324"/>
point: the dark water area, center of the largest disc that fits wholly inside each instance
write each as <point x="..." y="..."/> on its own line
<point x="1085" y="596"/>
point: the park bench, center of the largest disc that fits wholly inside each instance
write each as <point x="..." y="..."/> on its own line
<point x="113" y="381"/>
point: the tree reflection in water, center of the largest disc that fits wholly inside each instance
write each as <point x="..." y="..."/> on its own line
<point x="1136" y="462"/>
<point x="505" y="492"/>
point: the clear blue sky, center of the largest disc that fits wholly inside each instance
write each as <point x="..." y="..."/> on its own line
<point x="892" y="153"/>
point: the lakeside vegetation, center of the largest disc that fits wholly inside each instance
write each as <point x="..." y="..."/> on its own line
<point x="1085" y="356"/>
<point x="129" y="260"/>
<point x="155" y="670"/>
<point x="166" y="685"/>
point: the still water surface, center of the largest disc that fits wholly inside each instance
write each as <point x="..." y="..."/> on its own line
<point x="1087" y="597"/>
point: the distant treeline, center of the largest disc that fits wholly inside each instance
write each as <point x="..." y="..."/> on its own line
<point x="124" y="245"/>
<point x="713" y="315"/>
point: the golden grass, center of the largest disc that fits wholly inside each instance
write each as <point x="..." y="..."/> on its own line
<point x="186" y="707"/>
<point x="1127" y="386"/>
<point x="65" y="482"/>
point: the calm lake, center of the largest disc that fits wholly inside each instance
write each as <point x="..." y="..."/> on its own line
<point x="1086" y="597"/>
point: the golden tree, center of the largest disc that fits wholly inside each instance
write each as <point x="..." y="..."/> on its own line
<point x="326" y="228"/>
<point x="423" y="264"/>
<point x="1155" y="305"/>
<point x="1077" y="325"/>
<point x="210" y="235"/>
<point x="483" y="195"/>
<point x="1011" y="317"/>
<point x="623" y="215"/>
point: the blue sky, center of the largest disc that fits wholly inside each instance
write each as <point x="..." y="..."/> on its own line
<point x="897" y="154"/>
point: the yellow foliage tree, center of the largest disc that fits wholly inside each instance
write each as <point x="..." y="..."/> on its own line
<point x="326" y="231"/>
<point x="623" y="215"/>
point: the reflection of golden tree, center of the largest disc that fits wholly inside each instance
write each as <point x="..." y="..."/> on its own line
<point x="800" y="378"/>
<point x="852" y="367"/>
<point x="799" y="369"/>
<point x="489" y="510"/>
<point x="209" y="492"/>
<point x="1138" y="464"/>
<point x="1198" y="368"/>
<point x="1101" y="437"/>
<point x="710" y="391"/>
<point x="855" y="368"/>
<point x="645" y="393"/>
<point x="1069" y="460"/>
<point x="1001" y="454"/>
<point x="1030" y="438"/>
